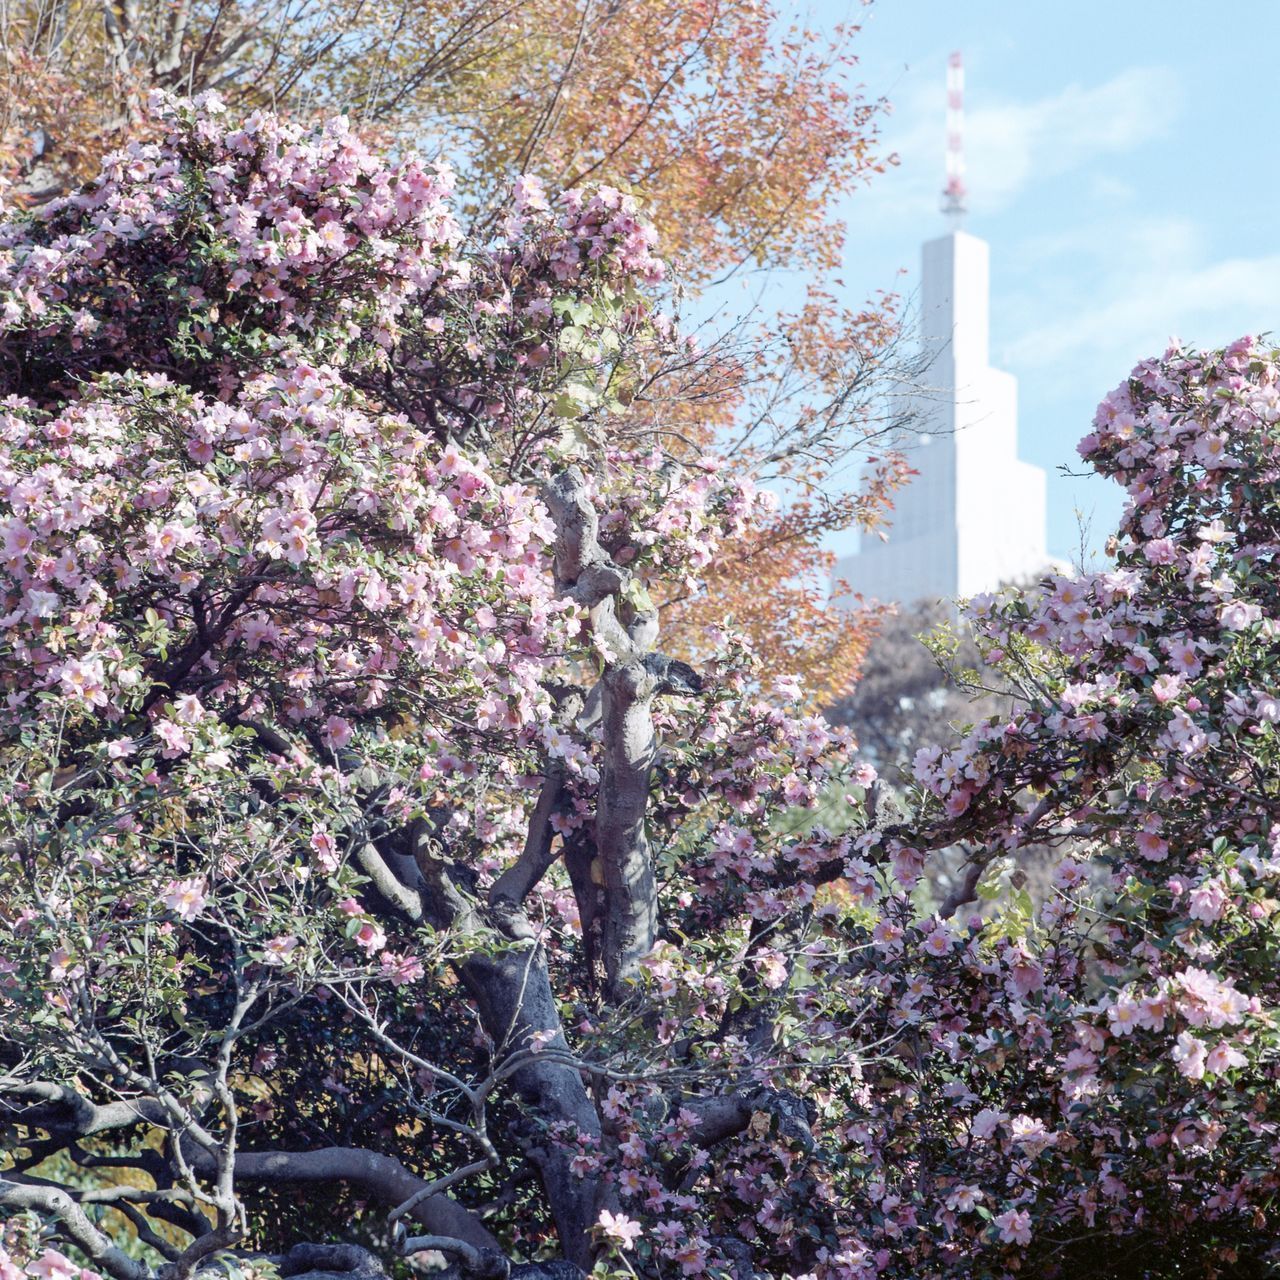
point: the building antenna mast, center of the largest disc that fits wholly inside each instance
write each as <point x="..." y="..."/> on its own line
<point x="955" y="193"/>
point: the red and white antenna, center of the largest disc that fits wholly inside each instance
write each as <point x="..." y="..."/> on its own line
<point x="955" y="192"/>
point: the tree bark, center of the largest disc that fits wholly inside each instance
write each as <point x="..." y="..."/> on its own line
<point x="622" y="841"/>
<point x="513" y="993"/>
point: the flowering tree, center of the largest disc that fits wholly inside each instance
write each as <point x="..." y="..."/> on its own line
<point x="376" y="886"/>
<point x="738" y="125"/>
<point x="1106" y="1066"/>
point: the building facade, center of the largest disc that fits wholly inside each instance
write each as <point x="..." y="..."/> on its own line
<point x="974" y="515"/>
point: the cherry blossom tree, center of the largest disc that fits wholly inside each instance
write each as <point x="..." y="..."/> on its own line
<point x="741" y="127"/>
<point x="377" y="888"/>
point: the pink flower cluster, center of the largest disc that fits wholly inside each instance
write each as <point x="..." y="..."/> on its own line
<point x="666" y="522"/>
<point x="229" y="563"/>
<point x="579" y="230"/>
<point x="299" y="230"/>
<point x="1096" y="1065"/>
<point x="50" y="1265"/>
<point x="1145" y="730"/>
<point x="329" y="543"/>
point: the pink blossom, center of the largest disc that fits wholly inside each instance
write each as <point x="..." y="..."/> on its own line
<point x="174" y="737"/>
<point x="692" y="1257"/>
<point x="401" y="969"/>
<point x="1025" y="975"/>
<point x="618" y="1229"/>
<point x="1124" y="1015"/>
<point x="186" y="898"/>
<point x="1184" y="657"/>
<point x="939" y="941"/>
<point x="1031" y="1133"/>
<point x="1238" y="615"/>
<point x="772" y="968"/>
<point x="1208" y="901"/>
<point x="371" y="937"/>
<point x="1152" y="846"/>
<point x="1014" y="1226"/>
<point x="1160" y="551"/>
<point x="1224" y="1056"/>
<point x="52" y="1265"/>
<point x="187" y="709"/>
<point x="84" y="680"/>
<point x="326" y="850"/>
<point x="1189" y="1056"/>
<point x="986" y="1122"/>
<point x="1211" y="450"/>
<point x="1205" y="1001"/>
<point x="964" y="1199"/>
<point x="336" y="732"/>
<point x="63" y="966"/>
<point x="279" y="950"/>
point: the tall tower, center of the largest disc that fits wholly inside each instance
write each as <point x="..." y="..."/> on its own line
<point x="974" y="515"/>
<point x="955" y="192"/>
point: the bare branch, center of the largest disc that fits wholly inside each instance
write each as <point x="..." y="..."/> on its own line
<point x="485" y="1264"/>
<point x="515" y="883"/>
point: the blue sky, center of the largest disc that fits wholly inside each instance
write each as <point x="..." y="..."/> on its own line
<point x="1124" y="164"/>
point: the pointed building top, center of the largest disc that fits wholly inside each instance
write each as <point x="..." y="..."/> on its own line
<point x="955" y="194"/>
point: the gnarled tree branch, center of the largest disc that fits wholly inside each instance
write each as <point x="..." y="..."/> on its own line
<point x="56" y="1203"/>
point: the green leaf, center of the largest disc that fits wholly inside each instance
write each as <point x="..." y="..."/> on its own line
<point x="637" y="596"/>
<point x="990" y="884"/>
<point x="573" y="338"/>
<point x="576" y="311"/>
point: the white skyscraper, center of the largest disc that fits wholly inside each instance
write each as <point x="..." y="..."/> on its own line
<point x="974" y="516"/>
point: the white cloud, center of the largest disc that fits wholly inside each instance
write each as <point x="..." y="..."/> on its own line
<point x="1148" y="280"/>
<point x="1093" y="301"/>
<point x="1012" y="144"/>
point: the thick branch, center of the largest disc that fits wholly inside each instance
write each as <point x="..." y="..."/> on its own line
<point x="964" y="892"/>
<point x="56" y="1203"/>
<point x="66" y="1114"/>
<point x="512" y="990"/>
<point x="515" y="883"/>
<point x="399" y="895"/>
<point x="584" y="570"/>
<point x="622" y="841"/>
<point x="383" y="1177"/>
<point x="727" y="1115"/>
<point x="482" y="1263"/>
<point x="328" y="1262"/>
